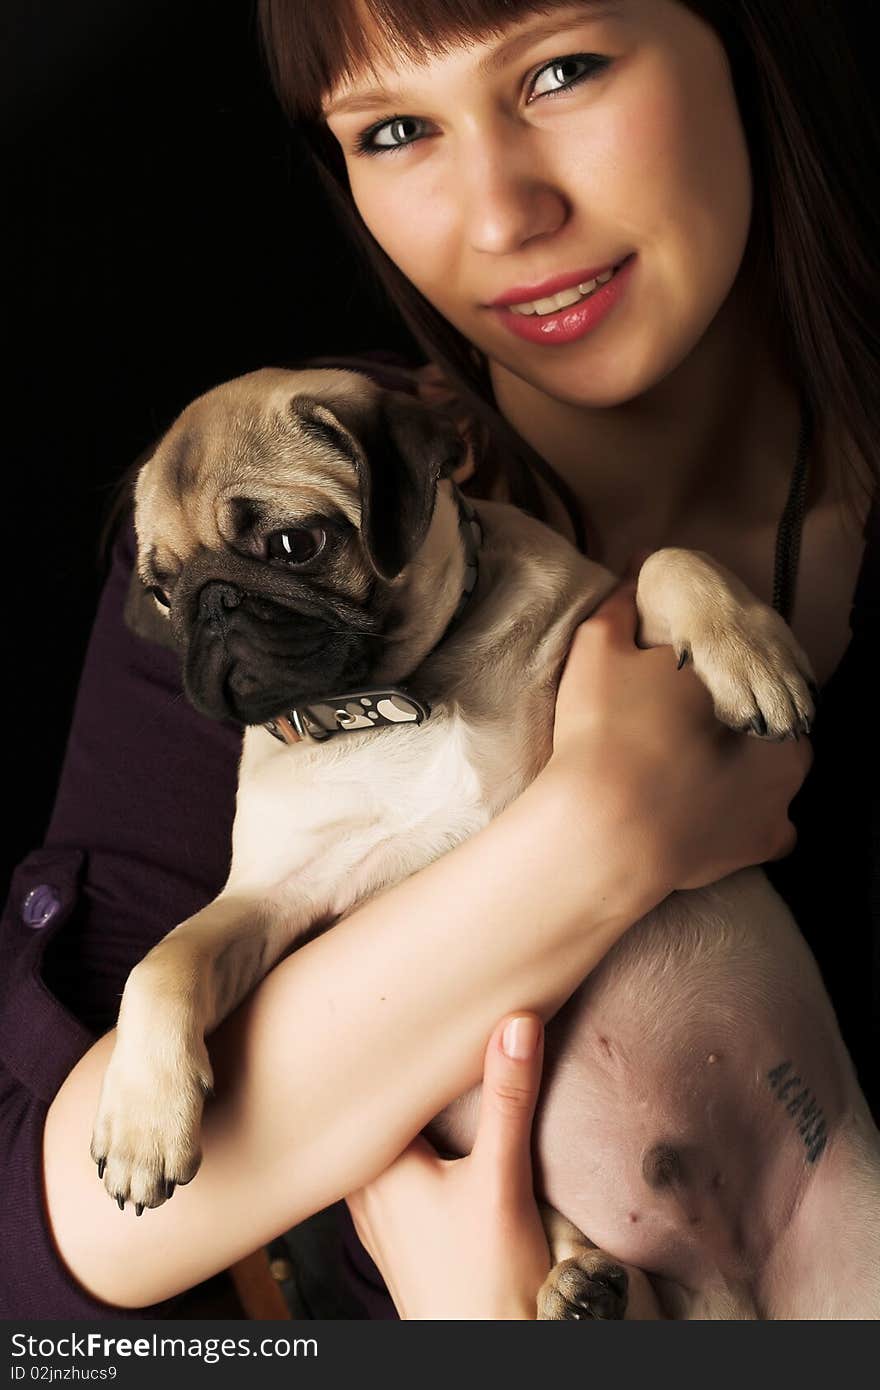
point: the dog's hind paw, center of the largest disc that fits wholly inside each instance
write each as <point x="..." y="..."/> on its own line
<point x="588" y="1286"/>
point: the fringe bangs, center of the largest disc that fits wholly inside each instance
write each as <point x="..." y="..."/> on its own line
<point x="340" y="41"/>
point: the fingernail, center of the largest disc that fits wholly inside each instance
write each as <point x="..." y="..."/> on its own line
<point x="520" y="1038"/>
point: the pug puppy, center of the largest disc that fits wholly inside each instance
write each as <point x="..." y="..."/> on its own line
<point x="393" y="655"/>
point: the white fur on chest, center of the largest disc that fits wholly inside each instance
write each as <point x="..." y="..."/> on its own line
<point x="337" y="821"/>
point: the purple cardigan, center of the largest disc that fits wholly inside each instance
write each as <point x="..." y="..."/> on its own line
<point x="139" y="839"/>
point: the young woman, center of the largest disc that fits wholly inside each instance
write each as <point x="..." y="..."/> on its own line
<point x="717" y="392"/>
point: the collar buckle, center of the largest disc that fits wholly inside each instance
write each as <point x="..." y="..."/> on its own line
<point x="353" y="712"/>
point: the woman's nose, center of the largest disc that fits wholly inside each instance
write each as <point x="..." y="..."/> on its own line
<point x="508" y="197"/>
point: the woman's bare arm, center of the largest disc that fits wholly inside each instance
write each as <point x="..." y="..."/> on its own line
<point x="353" y="1043"/>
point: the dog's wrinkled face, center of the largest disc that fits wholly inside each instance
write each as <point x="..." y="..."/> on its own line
<point x="277" y="523"/>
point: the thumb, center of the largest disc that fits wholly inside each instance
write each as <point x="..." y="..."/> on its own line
<point x="511" y="1081"/>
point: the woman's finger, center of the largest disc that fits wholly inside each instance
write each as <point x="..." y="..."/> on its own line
<point x="511" y="1081"/>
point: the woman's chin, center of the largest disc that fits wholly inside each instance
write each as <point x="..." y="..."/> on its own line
<point x="587" y="381"/>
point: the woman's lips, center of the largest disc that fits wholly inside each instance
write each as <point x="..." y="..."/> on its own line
<point x="573" y="322"/>
<point x="566" y="280"/>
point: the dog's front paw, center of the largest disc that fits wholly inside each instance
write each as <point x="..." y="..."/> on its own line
<point x="588" y="1286"/>
<point x="757" y="674"/>
<point x="145" y="1139"/>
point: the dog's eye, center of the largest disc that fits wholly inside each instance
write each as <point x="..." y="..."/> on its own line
<point x="297" y="545"/>
<point x="159" y="595"/>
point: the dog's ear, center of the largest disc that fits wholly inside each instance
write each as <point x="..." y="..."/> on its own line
<point x="400" y="449"/>
<point x="408" y="449"/>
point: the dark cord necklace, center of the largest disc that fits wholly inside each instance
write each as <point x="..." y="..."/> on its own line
<point x="791" y="523"/>
<point x="788" y="532"/>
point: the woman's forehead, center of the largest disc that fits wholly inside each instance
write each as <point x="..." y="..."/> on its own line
<point x="380" y="35"/>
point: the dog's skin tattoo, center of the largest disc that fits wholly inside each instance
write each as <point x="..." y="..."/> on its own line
<point x="803" y="1107"/>
<point x="668" y="1198"/>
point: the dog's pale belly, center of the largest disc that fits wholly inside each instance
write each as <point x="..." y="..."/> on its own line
<point x="692" y="1087"/>
<point x="691" y="1081"/>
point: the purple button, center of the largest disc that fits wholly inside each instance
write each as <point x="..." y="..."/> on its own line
<point x="40" y="906"/>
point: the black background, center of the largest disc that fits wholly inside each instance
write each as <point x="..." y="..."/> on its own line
<point x="163" y="235"/>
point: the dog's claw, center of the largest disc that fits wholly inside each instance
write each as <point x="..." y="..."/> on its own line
<point x="146" y="1132"/>
<point x="138" y="1208"/>
<point x="683" y="657"/>
<point x="759" y="725"/>
<point x="120" y="1201"/>
<point x="102" y="1164"/>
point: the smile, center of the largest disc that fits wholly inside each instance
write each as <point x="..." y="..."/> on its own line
<point x="571" y="312"/>
<point x="562" y="300"/>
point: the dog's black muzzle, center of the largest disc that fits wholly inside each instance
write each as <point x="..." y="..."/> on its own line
<point x="249" y="655"/>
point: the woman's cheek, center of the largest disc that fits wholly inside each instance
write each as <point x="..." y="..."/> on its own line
<point x="708" y="169"/>
<point x="692" y="203"/>
<point x="411" y="218"/>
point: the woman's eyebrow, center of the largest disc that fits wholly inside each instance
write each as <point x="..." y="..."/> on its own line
<point x="504" y="52"/>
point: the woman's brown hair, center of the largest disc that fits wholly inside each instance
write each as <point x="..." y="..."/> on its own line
<point x="811" y="129"/>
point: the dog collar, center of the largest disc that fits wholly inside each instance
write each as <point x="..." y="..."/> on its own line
<point x="381" y="707"/>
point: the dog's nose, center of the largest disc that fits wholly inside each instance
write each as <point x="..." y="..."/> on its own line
<point x="216" y="599"/>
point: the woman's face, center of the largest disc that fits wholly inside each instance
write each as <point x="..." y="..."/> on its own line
<point x="593" y="135"/>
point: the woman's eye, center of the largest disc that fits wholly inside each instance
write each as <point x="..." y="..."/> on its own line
<point x="568" y="72"/>
<point x="563" y="73"/>
<point x="390" y="135"/>
<point x="296" y="545"/>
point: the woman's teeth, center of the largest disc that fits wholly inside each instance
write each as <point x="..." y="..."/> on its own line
<point x="555" y="302"/>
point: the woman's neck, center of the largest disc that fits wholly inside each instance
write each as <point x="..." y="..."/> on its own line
<point x="711" y="446"/>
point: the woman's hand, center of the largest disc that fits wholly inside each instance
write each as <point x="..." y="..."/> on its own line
<point x="632" y="728"/>
<point x="462" y="1238"/>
